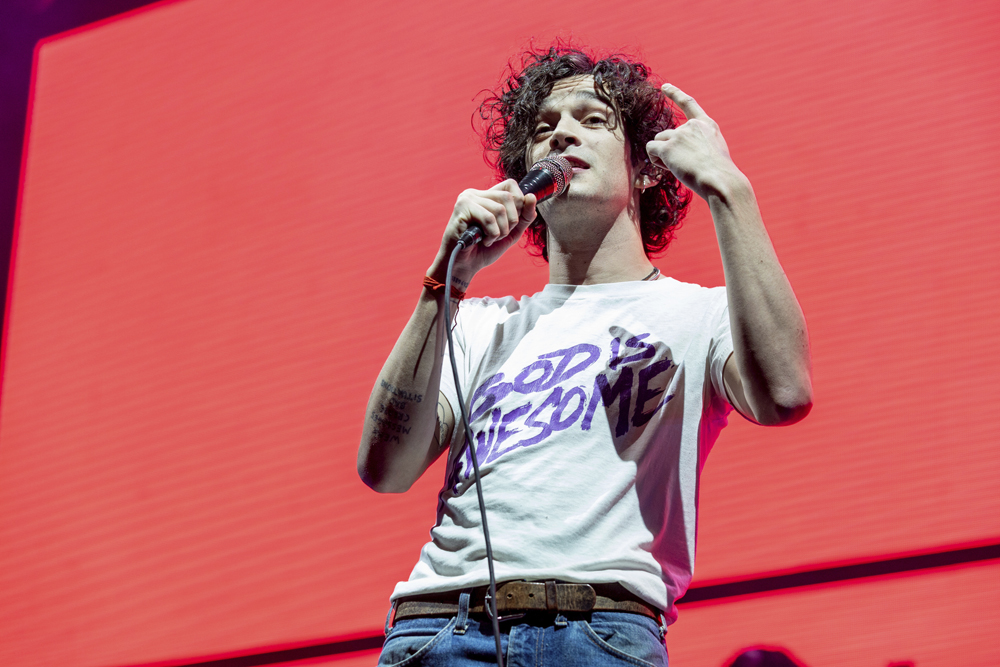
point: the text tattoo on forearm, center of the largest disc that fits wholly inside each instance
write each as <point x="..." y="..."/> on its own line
<point x="389" y="419"/>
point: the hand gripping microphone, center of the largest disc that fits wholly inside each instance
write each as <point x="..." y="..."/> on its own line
<point x="549" y="177"/>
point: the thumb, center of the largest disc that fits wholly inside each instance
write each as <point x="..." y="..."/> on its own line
<point x="528" y="210"/>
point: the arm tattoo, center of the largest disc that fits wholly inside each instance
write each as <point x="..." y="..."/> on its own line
<point x="390" y="419"/>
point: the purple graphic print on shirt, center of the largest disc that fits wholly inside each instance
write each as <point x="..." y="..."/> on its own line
<point x="565" y="403"/>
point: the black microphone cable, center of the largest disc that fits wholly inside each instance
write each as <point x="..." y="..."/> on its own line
<point x="492" y="600"/>
<point x="546" y="178"/>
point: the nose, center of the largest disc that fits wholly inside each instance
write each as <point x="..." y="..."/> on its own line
<point x="564" y="135"/>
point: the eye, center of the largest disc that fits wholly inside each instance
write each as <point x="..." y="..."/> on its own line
<point x="542" y="129"/>
<point x="595" y="120"/>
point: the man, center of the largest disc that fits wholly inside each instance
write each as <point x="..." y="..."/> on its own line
<point x="593" y="403"/>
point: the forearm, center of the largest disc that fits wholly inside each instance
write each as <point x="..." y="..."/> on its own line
<point x="770" y="340"/>
<point x="406" y="428"/>
<point x="400" y="438"/>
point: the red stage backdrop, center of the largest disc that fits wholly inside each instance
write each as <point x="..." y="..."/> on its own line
<point x="226" y="212"/>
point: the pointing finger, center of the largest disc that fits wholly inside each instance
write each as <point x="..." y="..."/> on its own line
<point x="686" y="103"/>
<point x="664" y="135"/>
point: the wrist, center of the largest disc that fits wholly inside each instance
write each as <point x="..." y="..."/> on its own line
<point x="728" y="187"/>
<point x="436" y="288"/>
<point x="460" y="277"/>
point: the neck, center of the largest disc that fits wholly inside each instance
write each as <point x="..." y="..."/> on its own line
<point x="584" y="253"/>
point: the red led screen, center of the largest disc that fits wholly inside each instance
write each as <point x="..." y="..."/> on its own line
<point x="225" y="216"/>
<point x="933" y="619"/>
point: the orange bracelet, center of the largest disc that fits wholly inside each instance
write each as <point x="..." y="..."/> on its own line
<point x="435" y="286"/>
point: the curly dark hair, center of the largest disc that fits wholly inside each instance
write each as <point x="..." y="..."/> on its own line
<point x="509" y="114"/>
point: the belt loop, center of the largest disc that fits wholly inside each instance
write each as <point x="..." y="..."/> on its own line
<point x="551" y="596"/>
<point x="388" y="615"/>
<point x="462" y="622"/>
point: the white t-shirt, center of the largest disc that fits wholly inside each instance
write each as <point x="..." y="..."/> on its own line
<point x="593" y="408"/>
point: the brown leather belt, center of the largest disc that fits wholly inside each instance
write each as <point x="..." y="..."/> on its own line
<point x="517" y="598"/>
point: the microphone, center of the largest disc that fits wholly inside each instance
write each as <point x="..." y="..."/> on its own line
<point x="549" y="177"/>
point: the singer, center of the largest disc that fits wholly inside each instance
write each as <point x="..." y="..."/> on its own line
<point x="594" y="402"/>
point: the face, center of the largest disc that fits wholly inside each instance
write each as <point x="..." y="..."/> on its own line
<point x="577" y="124"/>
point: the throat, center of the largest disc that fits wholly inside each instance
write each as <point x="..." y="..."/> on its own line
<point x="608" y="263"/>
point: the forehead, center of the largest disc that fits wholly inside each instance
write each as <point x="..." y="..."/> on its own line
<point x="574" y="90"/>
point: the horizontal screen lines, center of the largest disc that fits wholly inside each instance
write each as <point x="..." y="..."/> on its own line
<point x="695" y="594"/>
<point x="841" y="573"/>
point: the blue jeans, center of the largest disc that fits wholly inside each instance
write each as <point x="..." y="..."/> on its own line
<point x="605" y="639"/>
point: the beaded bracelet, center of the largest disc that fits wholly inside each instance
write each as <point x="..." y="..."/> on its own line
<point x="435" y="286"/>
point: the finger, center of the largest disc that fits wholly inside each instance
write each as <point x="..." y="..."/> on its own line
<point x="528" y="210"/>
<point x="517" y="232"/>
<point x="686" y="103"/>
<point x="511" y="208"/>
<point x="495" y="223"/>
<point x="656" y="160"/>
<point x="515" y="195"/>
<point x="512" y="197"/>
<point x="656" y="150"/>
<point x="504" y="211"/>
<point x="510" y="185"/>
<point x="664" y="135"/>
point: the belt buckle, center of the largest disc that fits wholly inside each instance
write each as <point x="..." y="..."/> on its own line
<point x="500" y="619"/>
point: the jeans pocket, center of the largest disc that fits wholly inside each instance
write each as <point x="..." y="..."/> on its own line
<point x="408" y="641"/>
<point x="632" y="638"/>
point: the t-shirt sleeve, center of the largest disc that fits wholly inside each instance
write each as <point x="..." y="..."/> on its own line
<point x="722" y="341"/>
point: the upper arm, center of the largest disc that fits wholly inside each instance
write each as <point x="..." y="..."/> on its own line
<point x="734" y="388"/>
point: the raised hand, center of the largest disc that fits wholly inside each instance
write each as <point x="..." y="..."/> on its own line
<point x="695" y="152"/>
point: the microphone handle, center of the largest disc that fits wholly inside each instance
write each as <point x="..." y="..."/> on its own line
<point x="537" y="181"/>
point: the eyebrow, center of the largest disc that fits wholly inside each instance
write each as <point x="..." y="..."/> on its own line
<point x="588" y="94"/>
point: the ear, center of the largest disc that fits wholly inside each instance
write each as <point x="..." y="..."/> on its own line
<point x="647" y="177"/>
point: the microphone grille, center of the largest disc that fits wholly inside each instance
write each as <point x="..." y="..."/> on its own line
<point x="559" y="168"/>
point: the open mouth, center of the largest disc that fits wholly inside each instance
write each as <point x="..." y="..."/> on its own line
<point x="576" y="162"/>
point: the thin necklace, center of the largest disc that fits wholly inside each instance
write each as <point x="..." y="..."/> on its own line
<point x="653" y="275"/>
